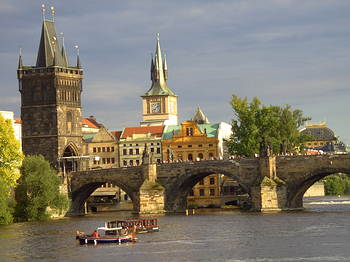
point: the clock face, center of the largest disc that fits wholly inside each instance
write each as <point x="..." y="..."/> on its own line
<point x="155" y="107"/>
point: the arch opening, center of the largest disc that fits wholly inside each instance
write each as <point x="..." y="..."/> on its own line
<point x="208" y="189"/>
<point x="321" y="191"/>
<point x="102" y="196"/>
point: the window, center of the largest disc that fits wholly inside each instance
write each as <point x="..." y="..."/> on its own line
<point x="158" y="160"/>
<point x="124" y="145"/>
<point x="125" y="163"/>
<point x="211" y="155"/>
<point x="152" y="149"/>
<point x="137" y="151"/>
<point x="201" y="192"/>
<point x="191" y="193"/>
<point x="201" y="182"/>
<point x="189" y="146"/>
<point x="210" y="144"/>
<point x="130" y="151"/>
<point x="113" y="160"/>
<point x="151" y="144"/>
<point x="137" y="162"/>
<point x="99" y="149"/>
<point x="125" y="152"/>
<point x="212" y="191"/>
<point x="158" y="150"/>
<point x="108" y="149"/>
<point x="190" y="157"/>
<point x="108" y="160"/>
<point x="130" y="145"/>
<point x="212" y="180"/>
<point x="103" y="160"/>
<point x="200" y="145"/>
<point x="189" y="131"/>
<point x="200" y="156"/>
<point x="131" y="162"/>
<point x="112" y="149"/>
<point x="69" y="122"/>
<point x="94" y="150"/>
<point x="103" y="149"/>
<point x="179" y="146"/>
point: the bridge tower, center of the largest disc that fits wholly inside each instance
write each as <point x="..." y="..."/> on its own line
<point x="51" y="100"/>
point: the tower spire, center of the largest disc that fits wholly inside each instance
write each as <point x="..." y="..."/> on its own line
<point x="63" y="50"/>
<point x="20" y="63"/>
<point x="49" y="45"/>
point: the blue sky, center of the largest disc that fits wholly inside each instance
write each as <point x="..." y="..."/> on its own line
<point x="283" y="51"/>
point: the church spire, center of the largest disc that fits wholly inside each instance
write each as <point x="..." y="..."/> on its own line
<point x="159" y="73"/>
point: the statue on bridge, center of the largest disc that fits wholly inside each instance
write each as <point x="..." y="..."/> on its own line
<point x="265" y="148"/>
<point x="147" y="158"/>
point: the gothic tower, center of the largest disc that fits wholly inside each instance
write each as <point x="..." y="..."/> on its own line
<point x="51" y="102"/>
<point x="159" y="102"/>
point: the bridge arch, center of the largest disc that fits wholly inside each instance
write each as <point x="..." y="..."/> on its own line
<point x="176" y="191"/>
<point x="296" y="191"/>
<point x="84" y="183"/>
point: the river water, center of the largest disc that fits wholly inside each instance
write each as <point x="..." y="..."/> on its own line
<point x="320" y="233"/>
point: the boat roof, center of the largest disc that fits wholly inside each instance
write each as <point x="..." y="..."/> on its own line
<point x="109" y="228"/>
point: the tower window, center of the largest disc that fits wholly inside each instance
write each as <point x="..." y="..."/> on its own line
<point x="69" y="122"/>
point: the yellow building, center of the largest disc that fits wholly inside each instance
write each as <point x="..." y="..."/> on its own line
<point x="194" y="142"/>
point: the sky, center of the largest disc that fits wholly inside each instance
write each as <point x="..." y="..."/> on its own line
<point x="294" y="52"/>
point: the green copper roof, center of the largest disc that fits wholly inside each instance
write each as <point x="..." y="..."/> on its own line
<point x="169" y="131"/>
<point x="210" y="129"/>
<point x="88" y="137"/>
<point x="159" y="89"/>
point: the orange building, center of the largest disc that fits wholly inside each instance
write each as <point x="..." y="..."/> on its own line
<point x="194" y="142"/>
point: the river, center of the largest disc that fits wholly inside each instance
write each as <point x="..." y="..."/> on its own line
<point x="320" y="233"/>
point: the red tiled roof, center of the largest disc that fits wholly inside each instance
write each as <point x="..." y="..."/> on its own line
<point x="89" y="123"/>
<point x="154" y="130"/>
<point x="18" y="120"/>
<point x="117" y="134"/>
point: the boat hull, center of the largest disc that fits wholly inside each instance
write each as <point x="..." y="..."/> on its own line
<point x="104" y="240"/>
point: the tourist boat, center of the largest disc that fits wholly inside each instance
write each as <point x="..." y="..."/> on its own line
<point x="115" y="235"/>
<point x="143" y="225"/>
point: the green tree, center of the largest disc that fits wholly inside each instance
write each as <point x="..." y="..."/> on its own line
<point x="38" y="190"/>
<point x="10" y="161"/>
<point x="256" y="127"/>
<point x="337" y="184"/>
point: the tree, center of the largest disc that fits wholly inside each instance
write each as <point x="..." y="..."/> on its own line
<point x="38" y="190"/>
<point x="259" y="129"/>
<point x="10" y="161"/>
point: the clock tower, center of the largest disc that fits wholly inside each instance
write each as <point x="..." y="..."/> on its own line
<point x="159" y="103"/>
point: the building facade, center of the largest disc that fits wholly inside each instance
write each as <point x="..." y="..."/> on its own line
<point x="191" y="141"/>
<point x="133" y="142"/>
<point x="159" y="103"/>
<point x="51" y="102"/>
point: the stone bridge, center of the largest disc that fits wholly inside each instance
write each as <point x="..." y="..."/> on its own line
<point x="273" y="183"/>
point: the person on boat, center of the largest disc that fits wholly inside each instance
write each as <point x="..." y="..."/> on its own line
<point x="95" y="234"/>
